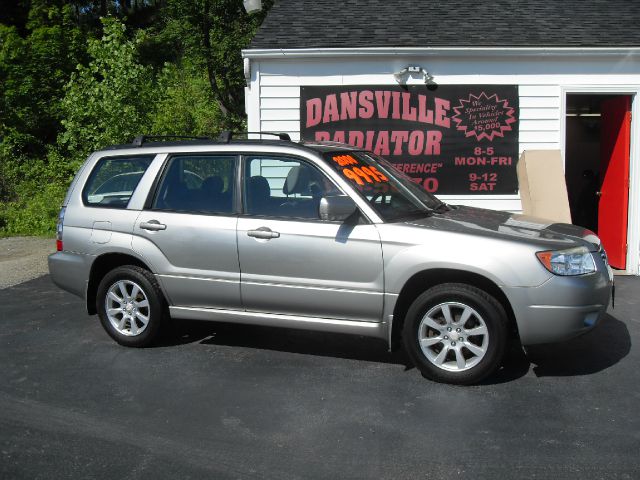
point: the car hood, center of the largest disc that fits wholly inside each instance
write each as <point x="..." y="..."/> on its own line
<point x="505" y="225"/>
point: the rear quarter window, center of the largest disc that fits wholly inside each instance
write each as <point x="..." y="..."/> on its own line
<point x="113" y="181"/>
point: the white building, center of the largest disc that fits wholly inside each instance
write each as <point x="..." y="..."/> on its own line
<point x="452" y="92"/>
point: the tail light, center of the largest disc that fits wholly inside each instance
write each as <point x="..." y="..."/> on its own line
<point x="59" y="246"/>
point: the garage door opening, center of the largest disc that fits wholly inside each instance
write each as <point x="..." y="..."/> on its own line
<point x="597" y="167"/>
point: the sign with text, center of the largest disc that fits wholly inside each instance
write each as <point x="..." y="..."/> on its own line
<point x="451" y="139"/>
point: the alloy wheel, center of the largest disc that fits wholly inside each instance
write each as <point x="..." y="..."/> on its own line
<point x="127" y="308"/>
<point x="453" y="336"/>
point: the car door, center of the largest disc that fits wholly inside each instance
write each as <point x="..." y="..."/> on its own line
<point x="294" y="263"/>
<point x="188" y="231"/>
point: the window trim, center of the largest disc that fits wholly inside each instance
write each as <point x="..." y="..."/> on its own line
<point x="84" y="195"/>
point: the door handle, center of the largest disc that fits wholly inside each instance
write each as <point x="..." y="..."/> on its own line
<point x="153" y="225"/>
<point x="264" y="233"/>
<point x="599" y="194"/>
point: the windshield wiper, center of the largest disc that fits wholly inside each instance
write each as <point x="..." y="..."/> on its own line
<point x="442" y="207"/>
<point x="413" y="214"/>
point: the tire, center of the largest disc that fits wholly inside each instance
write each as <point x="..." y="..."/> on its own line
<point x="131" y="306"/>
<point x="455" y="333"/>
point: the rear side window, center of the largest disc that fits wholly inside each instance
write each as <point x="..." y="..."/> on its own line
<point x="113" y="181"/>
<point x="198" y="184"/>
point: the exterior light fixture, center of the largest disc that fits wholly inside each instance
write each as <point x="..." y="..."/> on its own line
<point x="252" y="6"/>
<point x="246" y="64"/>
<point x="401" y="76"/>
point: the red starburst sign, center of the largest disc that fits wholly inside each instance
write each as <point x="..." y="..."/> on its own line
<point x="485" y="116"/>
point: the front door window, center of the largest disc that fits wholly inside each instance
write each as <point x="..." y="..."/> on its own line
<point x="285" y="188"/>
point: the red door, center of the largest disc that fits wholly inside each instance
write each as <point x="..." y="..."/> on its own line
<point x="613" y="206"/>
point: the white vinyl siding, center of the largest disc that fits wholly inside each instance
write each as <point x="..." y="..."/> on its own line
<point x="275" y="91"/>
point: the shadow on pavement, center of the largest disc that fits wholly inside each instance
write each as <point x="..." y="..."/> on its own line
<point x="514" y="365"/>
<point x="286" y="340"/>
<point x="593" y="352"/>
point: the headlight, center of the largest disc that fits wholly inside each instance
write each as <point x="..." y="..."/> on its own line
<point x="573" y="261"/>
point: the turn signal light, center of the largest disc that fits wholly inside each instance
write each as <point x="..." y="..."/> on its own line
<point x="545" y="258"/>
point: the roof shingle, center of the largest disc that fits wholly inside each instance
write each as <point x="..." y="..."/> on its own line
<point x="451" y="23"/>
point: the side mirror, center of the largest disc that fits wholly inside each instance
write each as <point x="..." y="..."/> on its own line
<point x="337" y="208"/>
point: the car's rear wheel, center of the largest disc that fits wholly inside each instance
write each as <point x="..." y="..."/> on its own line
<point x="131" y="306"/>
<point x="455" y="333"/>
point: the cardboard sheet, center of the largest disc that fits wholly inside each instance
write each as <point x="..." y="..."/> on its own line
<point x="543" y="189"/>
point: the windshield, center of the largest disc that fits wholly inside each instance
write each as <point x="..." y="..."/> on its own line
<point x="391" y="193"/>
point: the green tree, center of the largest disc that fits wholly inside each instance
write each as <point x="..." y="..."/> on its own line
<point x="175" y="69"/>
<point x="105" y="102"/>
<point x="33" y="71"/>
<point x="185" y="104"/>
<point x="209" y="34"/>
<point x="37" y="55"/>
<point x="109" y="100"/>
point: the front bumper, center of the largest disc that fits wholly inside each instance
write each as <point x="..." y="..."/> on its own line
<point x="562" y="307"/>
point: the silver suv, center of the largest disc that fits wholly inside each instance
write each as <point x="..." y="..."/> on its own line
<point x="317" y="236"/>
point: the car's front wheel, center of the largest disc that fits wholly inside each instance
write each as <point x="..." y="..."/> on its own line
<point x="131" y="306"/>
<point x="455" y="333"/>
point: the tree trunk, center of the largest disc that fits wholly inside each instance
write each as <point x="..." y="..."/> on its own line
<point x="227" y="100"/>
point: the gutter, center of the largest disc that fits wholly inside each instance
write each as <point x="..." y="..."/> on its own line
<point x="440" y="51"/>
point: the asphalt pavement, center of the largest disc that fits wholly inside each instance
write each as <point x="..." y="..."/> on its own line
<point x="225" y="401"/>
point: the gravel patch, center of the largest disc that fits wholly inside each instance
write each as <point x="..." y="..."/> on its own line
<point x="23" y="258"/>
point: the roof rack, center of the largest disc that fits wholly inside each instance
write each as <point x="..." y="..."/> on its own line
<point x="227" y="135"/>
<point x="141" y="139"/>
<point x="224" y="137"/>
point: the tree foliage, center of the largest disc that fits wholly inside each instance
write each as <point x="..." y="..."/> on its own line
<point x="209" y="35"/>
<point x="107" y="101"/>
<point x="185" y="104"/>
<point x="77" y="75"/>
<point x="33" y="72"/>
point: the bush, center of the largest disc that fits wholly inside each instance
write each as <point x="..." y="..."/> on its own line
<point x="34" y="211"/>
<point x="32" y="192"/>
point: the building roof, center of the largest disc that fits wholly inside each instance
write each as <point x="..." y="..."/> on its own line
<point x="451" y="23"/>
